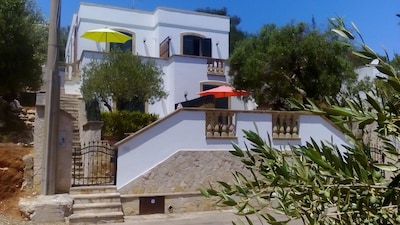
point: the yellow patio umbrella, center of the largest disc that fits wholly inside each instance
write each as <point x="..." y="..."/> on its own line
<point x="106" y="35"/>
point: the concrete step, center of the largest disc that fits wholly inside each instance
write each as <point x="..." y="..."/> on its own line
<point x="95" y="218"/>
<point x="93" y="190"/>
<point x="96" y="198"/>
<point x="78" y="171"/>
<point x="77" y="176"/>
<point x="97" y="207"/>
<point x="96" y="204"/>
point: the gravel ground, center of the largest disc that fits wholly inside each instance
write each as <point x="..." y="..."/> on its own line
<point x="5" y="220"/>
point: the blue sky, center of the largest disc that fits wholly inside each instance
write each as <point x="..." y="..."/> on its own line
<point x="376" y="20"/>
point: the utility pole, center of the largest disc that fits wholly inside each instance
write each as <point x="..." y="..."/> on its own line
<point x="52" y="107"/>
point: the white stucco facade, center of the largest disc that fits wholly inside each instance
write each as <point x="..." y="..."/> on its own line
<point x="149" y="28"/>
<point x="183" y="74"/>
<point x="185" y="131"/>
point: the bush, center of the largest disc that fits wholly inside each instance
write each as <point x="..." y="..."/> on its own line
<point x="117" y="123"/>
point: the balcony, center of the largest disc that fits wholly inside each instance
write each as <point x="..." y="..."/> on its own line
<point x="215" y="67"/>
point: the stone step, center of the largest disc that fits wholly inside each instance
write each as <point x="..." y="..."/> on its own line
<point x="97" y="207"/>
<point x="69" y="104"/>
<point x="77" y="162"/>
<point x="96" y="198"/>
<point x="94" y="218"/>
<point x="76" y="191"/>
<point x="77" y="177"/>
<point x="77" y="170"/>
<point x="69" y="101"/>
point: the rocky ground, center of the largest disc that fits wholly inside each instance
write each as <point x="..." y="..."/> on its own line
<point x="11" y="179"/>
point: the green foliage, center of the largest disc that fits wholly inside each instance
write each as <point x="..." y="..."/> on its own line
<point x="395" y="62"/>
<point x="291" y="61"/>
<point x="63" y="42"/>
<point x="118" y="123"/>
<point x="23" y="41"/>
<point x="317" y="182"/>
<point x="122" y="76"/>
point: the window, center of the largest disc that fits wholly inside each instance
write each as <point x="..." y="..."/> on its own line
<point x="127" y="46"/>
<point x="220" y="103"/>
<point x="195" y="45"/>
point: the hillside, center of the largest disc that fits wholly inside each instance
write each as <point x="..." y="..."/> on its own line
<point x="11" y="179"/>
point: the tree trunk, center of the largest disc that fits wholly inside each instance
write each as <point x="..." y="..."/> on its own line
<point x="107" y="105"/>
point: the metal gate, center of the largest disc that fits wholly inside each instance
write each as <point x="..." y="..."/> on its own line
<point x="94" y="163"/>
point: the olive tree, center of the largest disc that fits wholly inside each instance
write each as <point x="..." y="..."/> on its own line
<point x="318" y="183"/>
<point x="290" y="61"/>
<point x="23" y="41"/>
<point x="122" y="77"/>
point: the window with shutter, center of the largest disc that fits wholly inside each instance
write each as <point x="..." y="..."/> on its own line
<point x="206" y="47"/>
<point x="188" y="45"/>
<point x="195" y="45"/>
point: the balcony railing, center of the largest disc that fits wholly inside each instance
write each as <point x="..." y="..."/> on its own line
<point x="285" y="125"/>
<point x="215" y="67"/>
<point x="220" y="124"/>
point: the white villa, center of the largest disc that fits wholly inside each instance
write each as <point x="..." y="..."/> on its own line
<point x="161" y="168"/>
<point x="190" y="47"/>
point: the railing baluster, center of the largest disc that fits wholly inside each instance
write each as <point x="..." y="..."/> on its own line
<point x="215" y="67"/>
<point x="219" y="123"/>
<point x="285" y="125"/>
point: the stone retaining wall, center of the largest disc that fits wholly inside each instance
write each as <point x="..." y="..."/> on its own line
<point x="180" y="178"/>
<point x="174" y="203"/>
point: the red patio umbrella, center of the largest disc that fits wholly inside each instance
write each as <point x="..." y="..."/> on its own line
<point x="223" y="92"/>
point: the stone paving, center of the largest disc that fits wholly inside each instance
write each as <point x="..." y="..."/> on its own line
<point x="198" y="218"/>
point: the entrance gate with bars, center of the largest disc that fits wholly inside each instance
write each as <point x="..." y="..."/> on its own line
<point x="94" y="163"/>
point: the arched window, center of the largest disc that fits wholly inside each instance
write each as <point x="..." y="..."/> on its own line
<point x="127" y="46"/>
<point x="194" y="44"/>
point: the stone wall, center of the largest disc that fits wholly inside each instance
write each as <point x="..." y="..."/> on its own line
<point x="174" y="203"/>
<point x="180" y="178"/>
<point x="38" y="148"/>
<point x="63" y="156"/>
<point x="91" y="132"/>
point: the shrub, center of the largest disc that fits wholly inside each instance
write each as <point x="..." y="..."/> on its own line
<point x="118" y="123"/>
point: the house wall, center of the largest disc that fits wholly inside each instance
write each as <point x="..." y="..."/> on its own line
<point x="184" y="75"/>
<point x="184" y="130"/>
<point x="181" y="74"/>
<point x="150" y="28"/>
<point x="181" y="176"/>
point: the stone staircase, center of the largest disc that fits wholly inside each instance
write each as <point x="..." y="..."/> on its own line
<point x="70" y="104"/>
<point x="96" y="204"/>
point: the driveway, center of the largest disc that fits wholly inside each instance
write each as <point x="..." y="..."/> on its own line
<point x="196" y="218"/>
